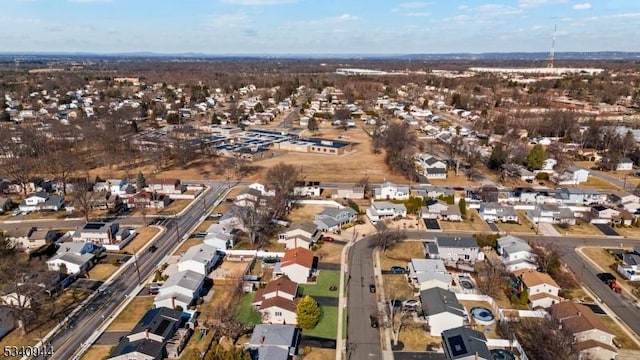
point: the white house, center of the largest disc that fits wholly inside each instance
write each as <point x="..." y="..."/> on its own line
<point x="625" y="164"/>
<point x="391" y="191"/>
<point x="298" y="264"/>
<point x="219" y="236"/>
<point x="381" y="210"/>
<point x="300" y="235"/>
<point x="435" y="173"/>
<point x="630" y="267"/>
<point x="427" y="273"/>
<point x="307" y="188"/>
<point x="548" y="166"/>
<point x="180" y="290"/>
<point x="200" y="258"/>
<point x="278" y="310"/>
<point x="516" y="254"/>
<point x="543" y="290"/>
<point x="262" y="189"/>
<point x="493" y="212"/>
<point x="456" y="249"/>
<point x="274" y="342"/>
<point x="332" y="219"/>
<point x="118" y="187"/>
<point x="551" y="214"/>
<point x="76" y="256"/>
<point x="437" y="209"/>
<point x="573" y="177"/>
<point x="442" y="310"/>
<point x="41" y="201"/>
<point x="430" y="162"/>
<point x="107" y="234"/>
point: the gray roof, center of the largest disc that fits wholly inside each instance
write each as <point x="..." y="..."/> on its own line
<point x="378" y="205"/>
<point x="432" y="248"/>
<point x="308" y="227"/>
<point x="159" y="321"/>
<point x="512" y="244"/>
<point x="201" y="253"/>
<point x="427" y="265"/>
<point x="631" y="259"/>
<point x="271" y="353"/>
<point x="73" y="258"/>
<point x="187" y="279"/>
<point x="436" y="301"/>
<point x="465" y="343"/>
<point x="436" y="170"/>
<point x="456" y="242"/>
<point x="273" y="335"/>
<point x="334" y="212"/>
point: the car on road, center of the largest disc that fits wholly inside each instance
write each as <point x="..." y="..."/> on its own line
<point x="411" y="304"/>
<point x="372" y="288"/>
<point x="215" y="216"/>
<point x="328" y="239"/>
<point x="153" y="248"/>
<point x="398" y="270"/>
<point x="374" y="321"/>
<point x="200" y="235"/>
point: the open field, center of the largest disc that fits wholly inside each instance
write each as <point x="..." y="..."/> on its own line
<point x="400" y="253"/>
<point x="97" y="352"/>
<point x="629" y="231"/>
<point x="305" y="213"/>
<point x="245" y="312"/>
<point x="320" y="354"/>
<point x="142" y="238"/>
<point x="415" y="338"/>
<point x="326" y="279"/>
<point x="132" y="313"/>
<point x="327" y="326"/>
<point x="453" y="180"/>
<point x="175" y="207"/>
<point x="473" y="222"/>
<point x="48" y="319"/>
<point x="397" y="287"/>
<point x="523" y="227"/>
<point x="45" y="215"/>
<point x="102" y="271"/>
<point x="621" y="339"/>
<point x="595" y="183"/>
<point x="329" y="253"/>
<point x="579" y="229"/>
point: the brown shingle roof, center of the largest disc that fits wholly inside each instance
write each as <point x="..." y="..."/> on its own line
<point x="279" y="302"/>
<point x="280" y="285"/>
<point x="300" y="256"/>
<point x="590" y="344"/>
<point x="577" y="317"/>
<point x="534" y="278"/>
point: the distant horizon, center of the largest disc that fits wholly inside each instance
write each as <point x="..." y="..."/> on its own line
<point x="309" y="27"/>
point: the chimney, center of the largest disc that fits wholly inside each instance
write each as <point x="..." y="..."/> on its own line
<point x="146" y="333"/>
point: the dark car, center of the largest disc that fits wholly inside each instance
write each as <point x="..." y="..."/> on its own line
<point x="153" y="248"/>
<point x="200" y="235"/>
<point x="372" y="288"/>
<point x="374" y="321"/>
<point x="328" y="239"/>
<point x="397" y="270"/>
<point x="606" y="277"/>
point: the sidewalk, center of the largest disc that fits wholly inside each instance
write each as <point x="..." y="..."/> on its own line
<point x="387" y="353"/>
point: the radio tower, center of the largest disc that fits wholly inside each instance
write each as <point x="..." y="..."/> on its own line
<point x="553" y="47"/>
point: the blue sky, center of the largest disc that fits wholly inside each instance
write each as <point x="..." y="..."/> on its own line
<point x="318" y="26"/>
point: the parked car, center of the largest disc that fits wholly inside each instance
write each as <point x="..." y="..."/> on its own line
<point x="328" y="239"/>
<point x="372" y="288"/>
<point x="200" y="235"/>
<point x="398" y="270"/>
<point x="215" y="216"/>
<point x="153" y="248"/>
<point x="410" y="304"/>
<point x="374" y="321"/>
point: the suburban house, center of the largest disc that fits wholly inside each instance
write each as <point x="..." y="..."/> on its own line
<point x="435" y="173"/>
<point x="332" y="219"/>
<point x="601" y="214"/>
<point x="591" y="337"/>
<point x="438" y="209"/>
<point x="156" y="336"/>
<point x="629" y="267"/>
<point x="542" y="289"/>
<point x="442" y="310"/>
<point x="516" y="254"/>
<point x="548" y="166"/>
<point x="455" y="249"/>
<point x="391" y="191"/>
<point x="381" y="210"/>
<point x="463" y="343"/>
<point x="76" y="256"/>
<point x="107" y="234"/>
<point x="15" y="295"/>
<point x="344" y="191"/>
<point x="262" y="189"/>
<point x="297" y="264"/>
<point x="581" y="197"/>
<point x="102" y="200"/>
<point x="231" y="218"/>
<point x="427" y="161"/>
<point x="572" y="177"/>
<point x="307" y="188"/>
<point x="148" y="200"/>
<point x="624" y="200"/>
<point x="277" y="301"/>
<point x="274" y="342"/>
<point x="625" y="164"/>
<point x="493" y="212"/>
<point x="180" y="290"/>
<point x="551" y="214"/>
<point x="200" y="258"/>
<point x="166" y="186"/>
<point x="219" y="236"/>
<point x="249" y="197"/>
<point x="29" y="239"/>
<point x="118" y="187"/>
<point x="427" y="273"/>
<point x="41" y="201"/>
<point x="300" y="235"/>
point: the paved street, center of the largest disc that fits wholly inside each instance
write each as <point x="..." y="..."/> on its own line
<point x="363" y="341"/>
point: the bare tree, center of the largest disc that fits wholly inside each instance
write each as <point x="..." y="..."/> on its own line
<point x="81" y="195"/>
<point x="61" y="165"/>
<point x="283" y="178"/>
<point x="397" y="317"/>
<point x="491" y="279"/>
<point x="20" y="170"/>
<point x="547" y="257"/>
<point x="387" y="237"/>
<point x="557" y="339"/>
<point x="256" y="222"/>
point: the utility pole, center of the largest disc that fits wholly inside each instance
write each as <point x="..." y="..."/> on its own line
<point x="135" y="259"/>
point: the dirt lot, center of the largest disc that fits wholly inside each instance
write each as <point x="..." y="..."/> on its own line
<point x="477" y="224"/>
<point x="144" y="236"/>
<point x="305" y="213"/>
<point x="229" y="270"/>
<point x="415" y="338"/>
<point x="523" y="227"/>
<point x="320" y="354"/>
<point x="175" y="207"/>
<point x="132" y="313"/>
<point x="622" y="339"/>
<point x="97" y="352"/>
<point x="630" y="231"/>
<point x="399" y="254"/>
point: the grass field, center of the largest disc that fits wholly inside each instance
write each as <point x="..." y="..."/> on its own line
<point x="145" y="234"/>
<point x="327" y="326"/>
<point x="415" y="338"/>
<point x="305" y="213"/>
<point x="326" y="279"/>
<point x="622" y="339"/>
<point x="245" y="312"/>
<point x="132" y="313"/>
<point x="102" y="271"/>
<point x="453" y="180"/>
<point x="596" y="183"/>
<point x="630" y="231"/>
<point x="399" y="254"/>
<point x="329" y="253"/>
<point x="579" y="229"/>
<point x="523" y="227"/>
<point x="397" y="287"/>
<point x="97" y="352"/>
<point x="175" y="207"/>
<point x="473" y="222"/>
<point x="320" y="354"/>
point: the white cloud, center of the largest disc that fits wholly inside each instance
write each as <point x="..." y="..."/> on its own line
<point x="18" y="20"/>
<point x="88" y="1"/>
<point x="343" y="18"/>
<point x="418" y="14"/>
<point x="583" y="6"/>
<point x="259" y="2"/>
<point x="414" y="4"/>
<point x="535" y="3"/>
<point x="232" y="20"/>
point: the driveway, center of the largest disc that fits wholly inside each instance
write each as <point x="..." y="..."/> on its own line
<point x="547" y="229"/>
<point x="606" y="229"/>
<point x="326" y="300"/>
<point x="493" y="226"/>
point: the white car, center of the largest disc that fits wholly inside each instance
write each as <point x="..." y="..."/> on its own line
<point x="410" y="304"/>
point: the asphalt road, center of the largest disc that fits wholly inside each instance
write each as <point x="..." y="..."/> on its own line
<point x="288" y="120"/>
<point x="69" y="339"/>
<point x="363" y="341"/>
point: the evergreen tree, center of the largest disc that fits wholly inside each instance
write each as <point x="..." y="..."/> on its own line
<point x="536" y="158"/>
<point x="307" y="313"/>
<point x="141" y="182"/>
<point x="462" y="204"/>
<point x="313" y="124"/>
<point x="498" y="157"/>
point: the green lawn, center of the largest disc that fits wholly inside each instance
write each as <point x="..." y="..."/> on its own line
<point x="328" y="324"/>
<point x="245" y="312"/>
<point x="326" y="278"/>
